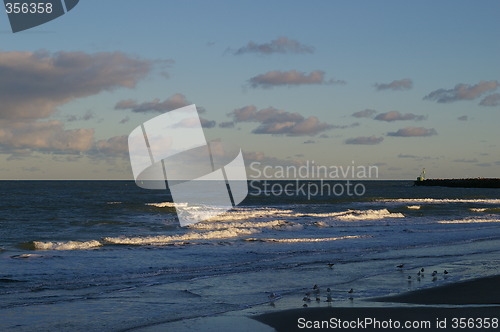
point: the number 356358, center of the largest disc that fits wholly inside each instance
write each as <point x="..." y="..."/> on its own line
<point x="28" y="8"/>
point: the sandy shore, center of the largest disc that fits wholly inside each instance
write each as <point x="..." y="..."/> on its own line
<point x="475" y="291"/>
<point x="452" y="301"/>
<point x="440" y="307"/>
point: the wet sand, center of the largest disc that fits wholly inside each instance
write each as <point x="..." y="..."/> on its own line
<point x="439" y="305"/>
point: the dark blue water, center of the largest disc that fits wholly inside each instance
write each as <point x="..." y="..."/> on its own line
<point x="108" y="255"/>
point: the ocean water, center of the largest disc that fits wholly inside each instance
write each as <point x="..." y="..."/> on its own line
<point x="107" y="255"/>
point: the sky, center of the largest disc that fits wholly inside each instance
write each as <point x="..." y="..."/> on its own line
<point x="401" y="85"/>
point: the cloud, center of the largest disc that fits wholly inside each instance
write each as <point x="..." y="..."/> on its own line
<point x="396" y="116"/>
<point x="364" y="114"/>
<point x="86" y="117"/>
<point x="279" y="45"/>
<point x="48" y="136"/>
<point x="463" y="118"/>
<point x="413" y="132"/>
<point x="364" y="140"/>
<point x="279" y="122"/>
<point x="404" y="84"/>
<point x="462" y="92"/>
<point x="207" y="123"/>
<point x="463" y="160"/>
<point x="410" y="156"/>
<point x="173" y="102"/>
<point x="228" y="124"/>
<point x="33" y="84"/>
<point x="491" y="100"/>
<point x="116" y="146"/>
<point x="290" y="78"/>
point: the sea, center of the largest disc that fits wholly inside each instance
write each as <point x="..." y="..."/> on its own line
<point x="110" y="256"/>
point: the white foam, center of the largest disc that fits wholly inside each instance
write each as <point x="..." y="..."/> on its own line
<point x="69" y="245"/>
<point x="413" y="207"/>
<point x="309" y="239"/>
<point x="114" y="202"/>
<point x="352" y="215"/>
<point x="477" y="209"/>
<point x="224" y="225"/>
<point x="165" y="239"/>
<point x="469" y="221"/>
<point x="442" y="201"/>
<point x="165" y="204"/>
<point x="252" y="213"/>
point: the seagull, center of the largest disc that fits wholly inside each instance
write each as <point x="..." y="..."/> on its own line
<point x="422" y="270"/>
<point x="330" y="265"/>
<point x="409" y="277"/>
<point x="445" y="272"/>
<point x="350" y="291"/>
<point x="434" y="273"/>
<point x="400" y="266"/>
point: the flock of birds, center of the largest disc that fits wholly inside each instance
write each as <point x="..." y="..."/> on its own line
<point x="316" y="292"/>
<point x="420" y="273"/>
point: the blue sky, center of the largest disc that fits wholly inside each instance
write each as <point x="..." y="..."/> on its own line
<point x="291" y="81"/>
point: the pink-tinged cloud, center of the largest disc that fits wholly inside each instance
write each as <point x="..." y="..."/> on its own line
<point x="279" y="122"/>
<point x="173" y="102"/>
<point x="33" y="84"/>
<point x="397" y="116"/>
<point x="404" y="84"/>
<point x="462" y="92"/>
<point x="413" y="132"/>
<point x="47" y="136"/>
<point x="364" y="140"/>
<point x="290" y="78"/>
<point x="491" y="100"/>
<point x="279" y="45"/>
<point x="368" y="113"/>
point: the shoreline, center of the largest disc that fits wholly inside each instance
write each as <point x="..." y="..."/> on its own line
<point x="470" y="299"/>
<point x="474" y="299"/>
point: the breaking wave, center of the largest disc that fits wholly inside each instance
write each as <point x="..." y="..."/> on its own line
<point x="352" y="215"/>
<point x="441" y="201"/>
<point x="68" y="245"/>
<point x="172" y="239"/>
<point x="224" y="225"/>
<point x="469" y="221"/>
<point x="304" y="240"/>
